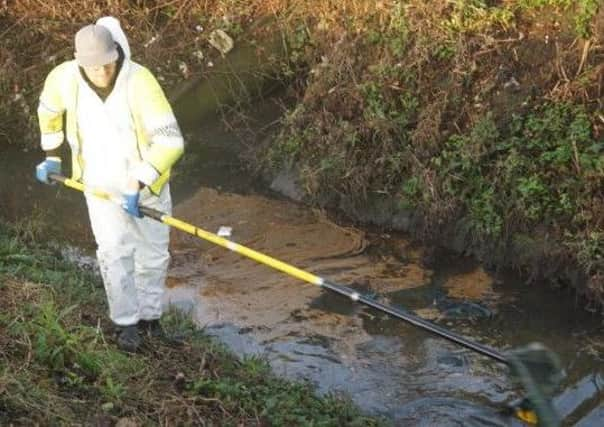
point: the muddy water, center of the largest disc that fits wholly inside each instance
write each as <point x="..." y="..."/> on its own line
<point x="384" y="365"/>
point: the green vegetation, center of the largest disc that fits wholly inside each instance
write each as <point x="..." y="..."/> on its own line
<point x="58" y="361"/>
<point x="478" y="15"/>
<point x="540" y="171"/>
<point x="583" y="11"/>
<point x="465" y="113"/>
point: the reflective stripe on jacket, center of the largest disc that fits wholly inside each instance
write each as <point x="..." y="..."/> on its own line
<point x="158" y="136"/>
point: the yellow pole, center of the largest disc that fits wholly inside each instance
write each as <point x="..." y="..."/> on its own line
<point x="243" y="250"/>
<point x="198" y="232"/>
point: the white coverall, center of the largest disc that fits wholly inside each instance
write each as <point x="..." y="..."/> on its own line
<point x="132" y="252"/>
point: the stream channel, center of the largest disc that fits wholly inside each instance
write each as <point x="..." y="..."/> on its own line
<point x="387" y="367"/>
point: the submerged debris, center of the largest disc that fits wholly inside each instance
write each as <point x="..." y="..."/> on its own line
<point x="221" y="41"/>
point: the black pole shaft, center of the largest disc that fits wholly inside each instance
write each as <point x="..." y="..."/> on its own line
<point x="417" y="321"/>
<point x="395" y="312"/>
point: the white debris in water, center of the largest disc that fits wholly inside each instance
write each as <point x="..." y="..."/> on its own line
<point x="150" y="42"/>
<point x="221" y="41"/>
<point x="184" y="69"/>
<point x="198" y="54"/>
<point x="224" y="231"/>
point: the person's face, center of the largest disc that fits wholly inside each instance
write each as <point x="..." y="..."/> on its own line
<point x="101" y="76"/>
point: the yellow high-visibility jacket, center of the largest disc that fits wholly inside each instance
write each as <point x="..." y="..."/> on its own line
<point x="159" y="139"/>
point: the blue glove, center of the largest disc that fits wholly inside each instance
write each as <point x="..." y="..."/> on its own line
<point x="48" y="166"/>
<point x="130" y="204"/>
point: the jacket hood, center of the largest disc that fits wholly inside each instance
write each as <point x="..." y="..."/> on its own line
<point x="113" y="25"/>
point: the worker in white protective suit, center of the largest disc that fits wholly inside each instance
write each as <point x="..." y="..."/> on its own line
<point x="124" y="139"/>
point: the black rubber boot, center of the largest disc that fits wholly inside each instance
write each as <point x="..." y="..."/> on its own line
<point x="129" y="339"/>
<point x="151" y="328"/>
